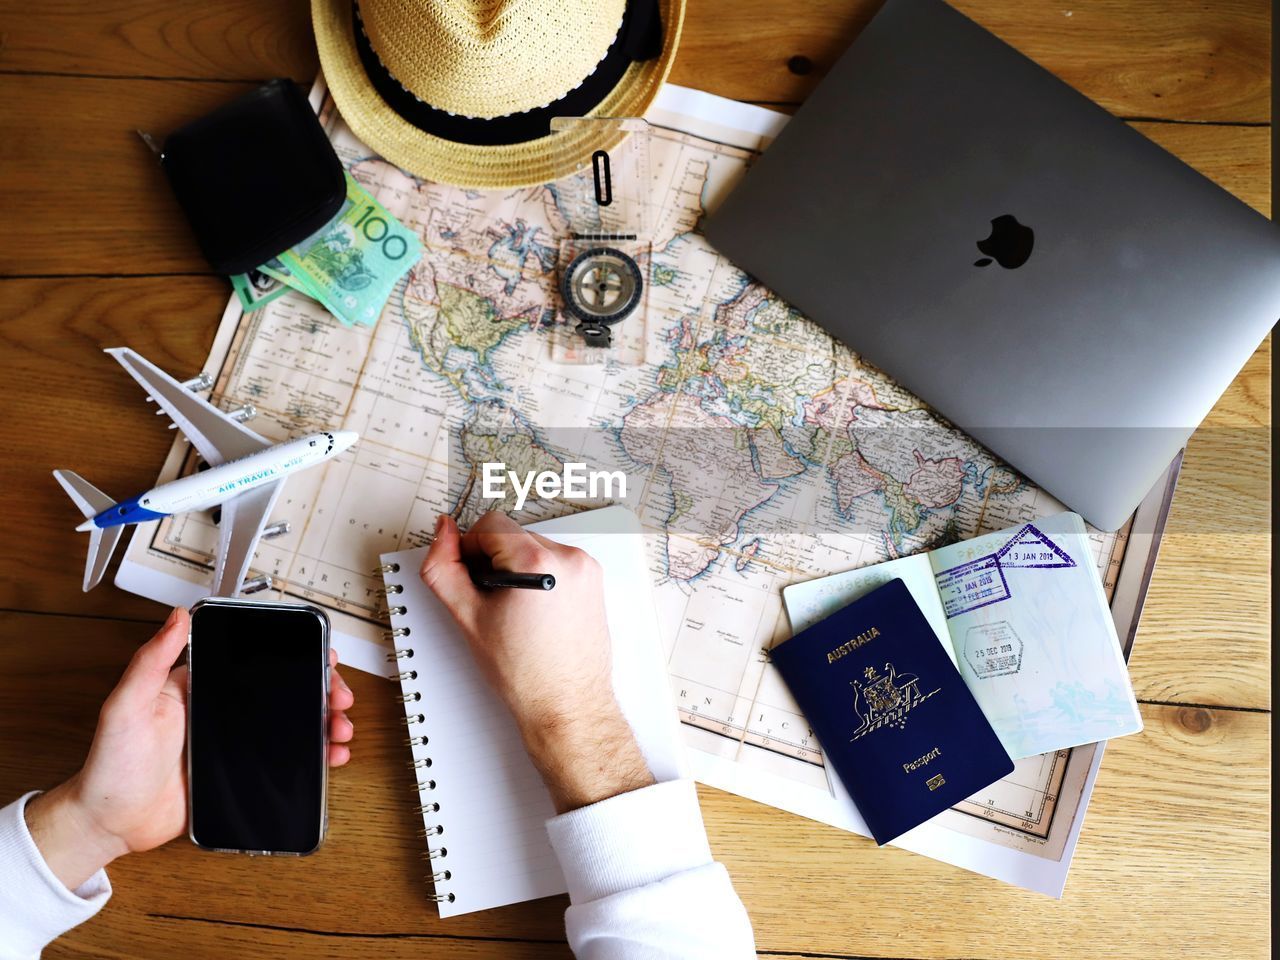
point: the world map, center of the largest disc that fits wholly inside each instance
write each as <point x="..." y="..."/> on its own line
<point x="760" y="451"/>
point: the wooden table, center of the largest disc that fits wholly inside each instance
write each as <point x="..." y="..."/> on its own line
<point x="1174" y="855"/>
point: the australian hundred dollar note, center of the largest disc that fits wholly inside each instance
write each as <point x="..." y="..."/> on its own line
<point x="256" y="288"/>
<point x="352" y="264"/>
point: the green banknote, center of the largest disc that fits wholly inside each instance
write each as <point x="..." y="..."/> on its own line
<point x="278" y="271"/>
<point x="256" y="288"/>
<point x="352" y="264"/>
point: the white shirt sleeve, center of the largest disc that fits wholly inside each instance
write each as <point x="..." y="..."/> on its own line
<point x="642" y="884"/>
<point x="35" y="906"/>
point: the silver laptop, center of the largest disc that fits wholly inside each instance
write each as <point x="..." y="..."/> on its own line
<point x="1056" y="285"/>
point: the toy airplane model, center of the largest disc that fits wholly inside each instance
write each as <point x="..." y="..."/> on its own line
<point x="246" y="473"/>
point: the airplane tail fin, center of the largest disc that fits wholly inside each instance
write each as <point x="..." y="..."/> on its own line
<point x="102" y="541"/>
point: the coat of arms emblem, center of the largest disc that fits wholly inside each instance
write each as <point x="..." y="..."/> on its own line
<point x="881" y="700"/>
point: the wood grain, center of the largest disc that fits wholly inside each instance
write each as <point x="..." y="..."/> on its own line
<point x="76" y="410"/>
<point x="234" y="39"/>
<point x="1171" y="815"/>
<point x="125" y="936"/>
<point x="1173" y="857"/>
<point x="69" y="145"/>
<point x="1138" y="58"/>
<point x="1205" y="634"/>
<point x="1179" y="817"/>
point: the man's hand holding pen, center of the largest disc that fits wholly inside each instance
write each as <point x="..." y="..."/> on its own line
<point x="546" y="653"/>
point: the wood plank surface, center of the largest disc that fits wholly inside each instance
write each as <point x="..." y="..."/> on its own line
<point x="81" y="188"/>
<point x="69" y="145"/>
<point x="1172" y="861"/>
<point x="1173" y="857"/>
<point x="1205" y="635"/>
<point x="1171" y="814"/>
<point x="1138" y="58"/>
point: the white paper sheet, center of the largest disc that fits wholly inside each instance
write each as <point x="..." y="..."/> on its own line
<point x="493" y="804"/>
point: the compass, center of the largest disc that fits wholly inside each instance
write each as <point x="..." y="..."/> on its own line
<point x="600" y="287"/>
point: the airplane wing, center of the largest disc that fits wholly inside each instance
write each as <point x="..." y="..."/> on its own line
<point x="238" y="530"/>
<point x="214" y="434"/>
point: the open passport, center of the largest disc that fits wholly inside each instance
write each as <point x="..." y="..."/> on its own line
<point x="1022" y="615"/>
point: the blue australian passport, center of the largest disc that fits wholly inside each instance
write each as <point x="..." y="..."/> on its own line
<point x="893" y="715"/>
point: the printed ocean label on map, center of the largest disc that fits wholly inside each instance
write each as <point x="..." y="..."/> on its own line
<point x="993" y="649"/>
<point x="972" y="585"/>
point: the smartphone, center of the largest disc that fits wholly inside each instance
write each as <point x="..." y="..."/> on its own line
<point x="257" y="726"/>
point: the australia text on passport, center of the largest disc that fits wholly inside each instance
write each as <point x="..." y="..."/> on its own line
<point x="851" y="645"/>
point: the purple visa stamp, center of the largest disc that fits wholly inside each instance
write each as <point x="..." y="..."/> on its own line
<point x="972" y="585"/>
<point x="1031" y="548"/>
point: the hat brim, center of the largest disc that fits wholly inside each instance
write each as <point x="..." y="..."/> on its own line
<point x="469" y="165"/>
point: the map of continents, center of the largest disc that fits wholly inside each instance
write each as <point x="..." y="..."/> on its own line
<point x="760" y="452"/>
<point x="766" y="452"/>
<point x="744" y="406"/>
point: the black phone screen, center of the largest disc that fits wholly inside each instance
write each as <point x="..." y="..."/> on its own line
<point x="257" y="748"/>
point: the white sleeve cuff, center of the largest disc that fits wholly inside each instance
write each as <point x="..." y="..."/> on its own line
<point x="35" y="906"/>
<point x="630" y="840"/>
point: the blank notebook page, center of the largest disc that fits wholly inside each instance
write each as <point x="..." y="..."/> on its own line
<point x="489" y="832"/>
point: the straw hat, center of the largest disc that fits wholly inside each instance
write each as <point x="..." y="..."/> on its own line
<point x="462" y="91"/>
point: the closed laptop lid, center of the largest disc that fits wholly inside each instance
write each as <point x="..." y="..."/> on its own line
<point x="1051" y="281"/>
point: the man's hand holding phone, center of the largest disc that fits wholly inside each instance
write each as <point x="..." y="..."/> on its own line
<point x="546" y="653"/>
<point x="131" y="794"/>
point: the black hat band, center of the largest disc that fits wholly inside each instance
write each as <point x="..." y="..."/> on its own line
<point x="639" y="38"/>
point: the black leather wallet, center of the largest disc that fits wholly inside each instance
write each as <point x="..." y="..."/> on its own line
<point x="255" y="177"/>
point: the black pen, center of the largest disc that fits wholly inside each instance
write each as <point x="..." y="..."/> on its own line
<point x="501" y="578"/>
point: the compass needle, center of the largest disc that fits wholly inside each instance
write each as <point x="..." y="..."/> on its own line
<point x="601" y="287"/>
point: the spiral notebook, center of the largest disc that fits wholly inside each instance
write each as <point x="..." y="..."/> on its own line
<point x="484" y="806"/>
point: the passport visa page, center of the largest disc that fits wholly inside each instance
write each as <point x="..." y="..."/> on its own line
<point x="1023" y="617"/>
<point x="1022" y="830"/>
<point x="894" y="717"/>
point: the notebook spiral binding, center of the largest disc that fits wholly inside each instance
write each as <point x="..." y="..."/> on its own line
<point x="422" y="785"/>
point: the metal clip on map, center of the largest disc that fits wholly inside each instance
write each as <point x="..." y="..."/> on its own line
<point x="605" y="249"/>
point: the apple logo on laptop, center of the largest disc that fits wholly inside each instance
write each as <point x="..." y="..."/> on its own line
<point x="1009" y="244"/>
